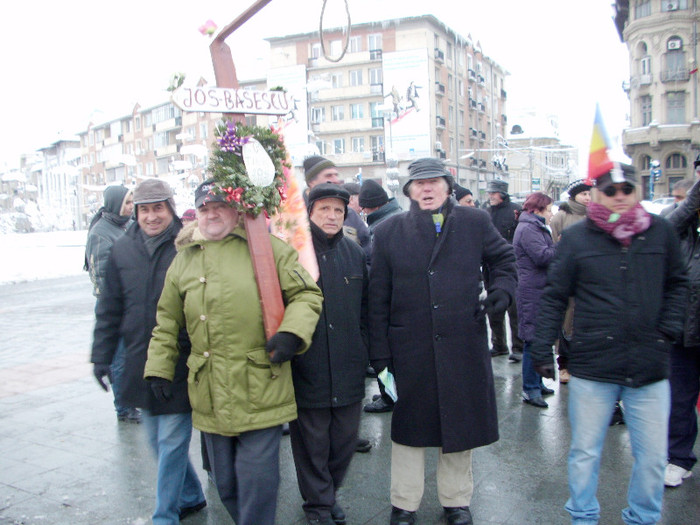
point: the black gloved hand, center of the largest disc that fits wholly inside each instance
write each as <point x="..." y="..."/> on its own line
<point x="162" y="388"/>
<point x="100" y="371"/>
<point x="282" y="346"/>
<point x="381" y="364"/>
<point x="545" y="370"/>
<point x="496" y="302"/>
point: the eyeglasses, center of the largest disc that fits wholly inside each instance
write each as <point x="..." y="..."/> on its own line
<point x="611" y="190"/>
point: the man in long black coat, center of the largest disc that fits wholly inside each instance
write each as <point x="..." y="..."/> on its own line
<point x="427" y="326"/>
<point x="127" y="310"/>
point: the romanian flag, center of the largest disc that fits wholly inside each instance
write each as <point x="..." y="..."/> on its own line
<point x="598" y="161"/>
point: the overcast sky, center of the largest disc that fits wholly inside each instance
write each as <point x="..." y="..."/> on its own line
<point x="65" y="63"/>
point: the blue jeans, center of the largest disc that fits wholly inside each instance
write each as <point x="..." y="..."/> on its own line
<point x="647" y="408"/>
<point x="532" y="381"/>
<point x="117" y="369"/>
<point x="178" y="485"/>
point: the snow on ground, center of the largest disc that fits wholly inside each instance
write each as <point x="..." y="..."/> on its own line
<point x="33" y="256"/>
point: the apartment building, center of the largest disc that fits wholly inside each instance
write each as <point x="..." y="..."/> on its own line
<point x="662" y="39"/>
<point x="404" y="88"/>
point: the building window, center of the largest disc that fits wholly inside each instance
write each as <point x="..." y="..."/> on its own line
<point x="318" y="115"/>
<point x="642" y="8"/>
<point x="356" y="77"/>
<point x="337" y="80"/>
<point x="161" y="139"/>
<point x="337" y="112"/>
<point x="674" y="58"/>
<point x="137" y="123"/>
<point x="358" y="144"/>
<point x="203" y="130"/>
<point x="375" y="75"/>
<point x="470" y="62"/>
<point x="645" y="103"/>
<point x="355" y="45"/>
<point x="148" y="119"/>
<point x="374" y="41"/>
<point x="357" y="111"/>
<point x="377" y="143"/>
<point x="336" y="48"/>
<point x="676" y="161"/>
<point x="675" y="107"/>
<point x="316" y="50"/>
<point x="321" y="146"/>
<point x="673" y="5"/>
<point x="449" y="51"/>
<point x="461" y="118"/>
<point x="460" y="87"/>
<point x="126" y="126"/>
<point x="149" y="169"/>
<point x="338" y="146"/>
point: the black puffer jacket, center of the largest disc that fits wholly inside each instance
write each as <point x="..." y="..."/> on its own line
<point x="127" y="309"/>
<point x="686" y="221"/>
<point x="331" y="373"/>
<point x="630" y="303"/>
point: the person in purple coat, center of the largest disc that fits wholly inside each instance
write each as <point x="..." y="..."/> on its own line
<point x="534" y="250"/>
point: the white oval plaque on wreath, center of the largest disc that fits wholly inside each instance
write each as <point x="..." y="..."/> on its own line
<point x="258" y="164"/>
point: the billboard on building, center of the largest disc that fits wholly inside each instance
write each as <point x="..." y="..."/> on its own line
<point x="407" y="97"/>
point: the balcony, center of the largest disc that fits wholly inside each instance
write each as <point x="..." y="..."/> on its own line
<point x="472" y="103"/>
<point x="645" y="80"/>
<point x="440" y="121"/>
<point x="472" y="74"/>
<point x="504" y="95"/>
<point x="375" y="54"/>
<point x="675" y="75"/>
<point x="482" y="136"/>
<point x="377" y="156"/>
<point x="482" y="108"/>
<point x="480" y="79"/>
<point x="376" y="89"/>
<point x="440" y="88"/>
<point x="473" y="133"/>
<point x="439" y="56"/>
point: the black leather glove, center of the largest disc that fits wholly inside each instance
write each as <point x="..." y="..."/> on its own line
<point x="545" y="370"/>
<point x="282" y="346"/>
<point x="381" y="364"/>
<point x="496" y="302"/>
<point x="162" y="388"/>
<point x="100" y="371"/>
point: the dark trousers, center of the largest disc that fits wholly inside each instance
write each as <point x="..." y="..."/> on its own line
<point x="246" y="472"/>
<point x="499" y="340"/>
<point x="323" y="443"/>
<point x="683" y="423"/>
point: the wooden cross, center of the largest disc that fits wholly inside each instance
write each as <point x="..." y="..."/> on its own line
<point x="256" y="229"/>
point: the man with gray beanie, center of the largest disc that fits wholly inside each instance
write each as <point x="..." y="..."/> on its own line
<point x="504" y="215"/>
<point x="127" y="310"/>
<point x="427" y="327"/>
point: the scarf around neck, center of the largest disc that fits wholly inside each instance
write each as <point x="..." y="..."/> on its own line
<point x="622" y="227"/>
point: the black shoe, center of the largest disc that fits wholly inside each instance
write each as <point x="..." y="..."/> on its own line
<point x="402" y="517"/>
<point x="378" y="405"/>
<point x="534" y="401"/>
<point x="458" y="515"/>
<point x="337" y="514"/>
<point x="495" y="352"/>
<point x="546" y="391"/>
<point x="515" y="357"/>
<point x="186" y="511"/>
<point x="362" y="445"/>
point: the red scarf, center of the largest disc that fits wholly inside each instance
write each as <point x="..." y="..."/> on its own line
<point x="621" y="227"/>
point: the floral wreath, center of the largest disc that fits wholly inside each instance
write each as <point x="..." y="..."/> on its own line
<point x="228" y="170"/>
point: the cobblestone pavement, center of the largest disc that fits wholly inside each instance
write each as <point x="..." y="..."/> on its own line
<point x="64" y="459"/>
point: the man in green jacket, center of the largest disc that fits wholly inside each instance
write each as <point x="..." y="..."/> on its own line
<point x="240" y="385"/>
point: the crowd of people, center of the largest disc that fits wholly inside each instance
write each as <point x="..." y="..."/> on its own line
<point x="601" y="296"/>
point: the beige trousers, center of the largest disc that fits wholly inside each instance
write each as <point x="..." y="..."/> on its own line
<point x="455" y="483"/>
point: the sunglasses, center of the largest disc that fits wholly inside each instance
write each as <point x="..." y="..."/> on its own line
<point x="611" y="191"/>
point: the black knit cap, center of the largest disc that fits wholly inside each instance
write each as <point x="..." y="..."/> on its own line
<point x="427" y="168"/>
<point x="315" y="165"/>
<point x="372" y="195"/>
<point x="328" y="190"/>
<point x="461" y="192"/>
<point x="577" y="186"/>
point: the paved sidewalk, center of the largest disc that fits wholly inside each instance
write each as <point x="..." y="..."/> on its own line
<point x="66" y="460"/>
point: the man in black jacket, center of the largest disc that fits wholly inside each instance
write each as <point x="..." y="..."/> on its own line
<point x="329" y="379"/>
<point x="127" y="310"/>
<point x="624" y="269"/>
<point x="504" y="215"/>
